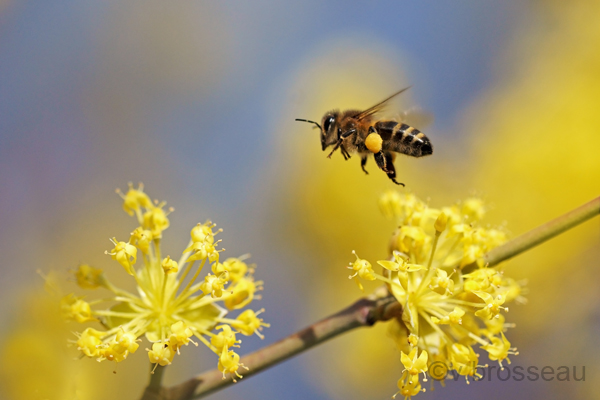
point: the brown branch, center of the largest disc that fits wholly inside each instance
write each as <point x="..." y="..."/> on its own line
<point x="379" y="306"/>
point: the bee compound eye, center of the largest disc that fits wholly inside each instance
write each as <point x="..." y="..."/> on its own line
<point x="327" y="123"/>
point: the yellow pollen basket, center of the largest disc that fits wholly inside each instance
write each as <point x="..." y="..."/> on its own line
<point x="374" y="142"/>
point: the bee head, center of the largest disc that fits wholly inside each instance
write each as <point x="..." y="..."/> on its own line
<point x="330" y="129"/>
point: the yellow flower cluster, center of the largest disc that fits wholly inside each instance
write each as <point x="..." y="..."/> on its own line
<point x="451" y="301"/>
<point x="170" y="307"/>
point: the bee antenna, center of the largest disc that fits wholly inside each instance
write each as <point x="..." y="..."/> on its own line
<point x="309" y="121"/>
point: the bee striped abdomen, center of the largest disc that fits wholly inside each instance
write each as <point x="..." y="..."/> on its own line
<point x="403" y="138"/>
<point x="385" y="129"/>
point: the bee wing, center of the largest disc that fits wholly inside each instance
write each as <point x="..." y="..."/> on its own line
<point x="417" y="117"/>
<point x="378" y="107"/>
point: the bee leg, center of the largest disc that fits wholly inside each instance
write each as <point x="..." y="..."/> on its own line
<point x="363" y="162"/>
<point x="340" y="140"/>
<point x="385" y="162"/>
<point x="380" y="160"/>
<point x="391" y="170"/>
<point x="345" y="152"/>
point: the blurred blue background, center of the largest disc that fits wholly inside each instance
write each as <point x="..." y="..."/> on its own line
<point x="187" y="97"/>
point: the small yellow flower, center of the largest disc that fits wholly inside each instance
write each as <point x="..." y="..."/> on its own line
<point x="413" y="339"/>
<point x="142" y="239"/>
<point x="499" y="349"/>
<point x="483" y="279"/>
<point x="76" y="309"/>
<point x="241" y="293"/>
<point x="408" y="388"/>
<point x="201" y="251"/>
<point x="402" y="267"/>
<point x="161" y="354"/>
<point x="89" y="277"/>
<point x="170" y="266"/>
<point x="135" y="199"/>
<point x="493" y="305"/>
<point x="414" y="365"/>
<point x="204" y="232"/>
<point x="229" y="363"/>
<point x="127" y="341"/>
<point x="441" y="222"/>
<point x="363" y="269"/>
<point x="464" y="360"/>
<point x="113" y="351"/>
<point x="248" y="323"/>
<point x="442" y="282"/>
<point x="225" y="338"/>
<point x="125" y="254"/>
<point x="156" y="221"/>
<point x="455" y="317"/>
<point x="494" y="326"/>
<point x="236" y="267"/>
<point x="180" y="335"/>
<point x="90" y="342"/>
<point x="400" y="264"/>
<point x="214" y="285"/>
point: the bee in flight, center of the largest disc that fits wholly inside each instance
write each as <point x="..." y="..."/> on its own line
<point x="355" y="131"/>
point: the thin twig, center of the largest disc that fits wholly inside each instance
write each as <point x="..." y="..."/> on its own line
<point x="379" y="306"/>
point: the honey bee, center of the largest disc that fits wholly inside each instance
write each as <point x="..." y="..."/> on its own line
<point x="355" y="131"/>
